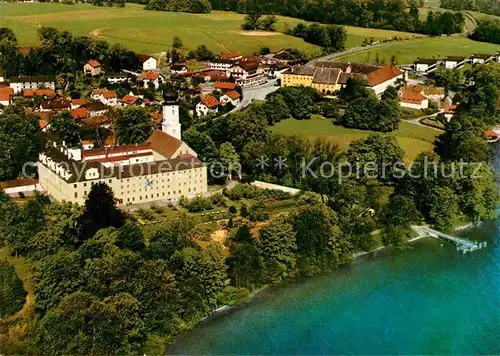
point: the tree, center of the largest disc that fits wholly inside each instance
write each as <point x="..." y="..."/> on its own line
<point x="229" y="159"/>
<point x="276" y="109"/>
<point x="100" y="212"/>
<point x="133" y="125"/>
<point x="82" y="324"/>
<point x="202" y="144"/>
<point x="268" y="23"/>
<point x="246" y="266"/>
<point x="376" y="157"/>
<point x="354" y="89"/>
<point x="64" y="126"/>
<point x="360" y="113"/>
<point x="130" y="237"/>
<point x="19" y="143"/>
<point x="258" y="212"/>
<point x="12" y="293"/>
<point x="401" y="211"/>
<point x="163" y="244"/>
<point x="177" y="42"/>
<point x="443" y="208"/>
<point x="277" y="247"/>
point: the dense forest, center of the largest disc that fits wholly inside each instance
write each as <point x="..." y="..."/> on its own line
<point x="486" y="6"/>
<point x="487" y="31"/>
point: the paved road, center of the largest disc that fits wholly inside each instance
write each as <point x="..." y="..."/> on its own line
<point x="258" y="93"/>
<point x="418" y="123"/>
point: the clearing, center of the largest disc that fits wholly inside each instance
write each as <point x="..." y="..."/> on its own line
<point x="413" y="139"/>
<point x="152" y="31"/>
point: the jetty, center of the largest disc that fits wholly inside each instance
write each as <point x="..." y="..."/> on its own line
<point x="463" y="245"/>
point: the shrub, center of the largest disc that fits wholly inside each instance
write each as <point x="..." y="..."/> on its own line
<point x="218" y="199"/>
<point x="258" y="212"/>
<point x="247" y="191"/>
<point x="12" y="293"/>
<point x="146" y="214"/>
<point x="233" y="209"/>
<point x="198" y="204"/>
<point x="157" y="209"/>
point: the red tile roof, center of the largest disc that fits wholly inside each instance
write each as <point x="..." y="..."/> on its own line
<point x="99" y="91"/>
<point x="78" y="102"/>
<point x="42" y="123"/>
<point x="225" y="85"/>
<point x="230" y="55"/>
<point x="113" y="150"/>
<point x="79" y="113"/>
<point x="129" y="99"/>
<point x="450" y="109"/>
<point x="7" y="90"/>
<point x="109" y="94"/>
<point x="5" y="96"/>
<point x="151" y="76"/>
<point x="412" y="96"/>
<point x="233" y="94"/>
<point x="209" y="101"/>
<point x="491" y="134"/>
<point x="93" y="63"/>
<point x="382" y="75"/>
<point x="21" y="182"/>
<point x="164" y="144"/>
<point x="40" y="92"/>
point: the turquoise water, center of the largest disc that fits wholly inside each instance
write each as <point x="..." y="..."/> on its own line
<point x="429" y="299"/>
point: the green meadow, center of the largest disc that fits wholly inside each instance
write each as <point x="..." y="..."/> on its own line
<point x="152" y="31"/>
<point x="412" y="138"/>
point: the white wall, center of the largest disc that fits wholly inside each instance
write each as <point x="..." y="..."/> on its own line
<point x="149" y="64"/>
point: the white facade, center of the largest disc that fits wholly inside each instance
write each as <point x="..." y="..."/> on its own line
<point x="380" y="88"/>
<point x="170" y="123"/>
<point x="424" y="104"/>
<point x="19" y="86"/>
<point x="149" y="64"/>
<point x="221" y="65"/>
<point x="224" y="99"/>
<point x="202" y="109"/>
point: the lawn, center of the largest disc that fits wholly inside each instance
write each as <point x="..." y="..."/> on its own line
<point x="407" y="51"/>
<point x="152" y="31"/>
<point x="413" y="139"/>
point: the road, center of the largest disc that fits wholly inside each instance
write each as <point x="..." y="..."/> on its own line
<point x="258" y="93"/>
<point x="418" y="123"/>
<point x="331" y="56"/>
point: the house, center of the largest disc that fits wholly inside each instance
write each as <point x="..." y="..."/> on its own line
<point x="154" y="78"/>
<point x="92" y="67"/>
<point x="425" y="65"/>
<point x="79" y="114"/>
<point x="207" y="104"/>
<point x="179" y="69"/>
<point x="45" y="93"/>
<point x="76" y="103"/>
<point x="232" y="97"/>
<point x="105" y="96"/>
<point x="20" y="186"/>
<point x="481" y="58"/>
<point x="431" y="92"/>
<point x="43" y="124"/>
<point x="323" y="79"/>
<point x="248" y="73"/>
<point x="87" y="144"/>
<point x="224" y="86"/>
<point x="449" y="111"/>
<point x="148" y="62"/>
<point x="163" y="169"/>
<point x="96" y="108"/>
<point x="451" y="62"/>
<point x="231" y="56"/>
<point x="32" y="82"/>
<point x="6" y="95"/>
<point x="212" y="75"/>
<point x="128" y="100"/>
<point x="115" y="78"/>
<point x="411" y="97"/>
<point x="383" y="78"/>
<point x="56" y="104"/>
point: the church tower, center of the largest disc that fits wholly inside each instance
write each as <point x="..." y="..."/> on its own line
<point x="170" y="123"/>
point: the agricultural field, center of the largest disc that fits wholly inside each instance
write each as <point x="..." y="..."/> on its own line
<point x="152" y="31"/>
<point x="413" y="139"/>
<point x="432" y="47"/>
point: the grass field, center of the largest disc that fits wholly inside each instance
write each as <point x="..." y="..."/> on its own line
<point x="152" y="31"/>
<point x="413" y="139"/>
<point x="407" y="51"/>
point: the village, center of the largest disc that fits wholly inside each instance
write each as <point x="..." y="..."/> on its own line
<point x="226" y="84"/>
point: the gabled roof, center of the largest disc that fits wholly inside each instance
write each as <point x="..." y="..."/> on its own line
<point x="450" y="109"/>
<point x="411" y="95"/>
<point x="78" y="102"/>
<point x="344" y="77"/>
<point x="55" y="104"/>
<point x="109" y="94"/>
<point x="302" y="70"/>
<point x="96" y="106"/>
<point x="143" y="57"/>
<point x="40" y="92"/>
<point x="42" y="123"/>
<point x="164" y="144"/>
<point x="230" y="55"/>
<point x="383" y="74"/>
<point x="233" y="94"/>
<point x="150" y="76"/>
<point x="326" y="75"/>
<point x="454" y="58"/>
<point x="428" y="61"/>
<point x="209" y="101"/>
<point x="225" y="85"/>
<point x="178" y="67"/>
<point x="99" y="91"/>
<point x="20" y="182"/>
<point x="94" y="63"/>
<point x="79" y="113"/>
<point x="129" y="99"/>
